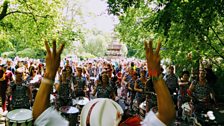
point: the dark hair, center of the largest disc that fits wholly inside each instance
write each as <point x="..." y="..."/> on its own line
<point x="185" y="72"/>
<point x="69" y="68"/>
<point x="132" y="64"/>
<point x="171" y="67"/>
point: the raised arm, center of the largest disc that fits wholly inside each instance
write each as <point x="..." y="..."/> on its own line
<point x="166" y="109"/>
<point x="42" y="99"/>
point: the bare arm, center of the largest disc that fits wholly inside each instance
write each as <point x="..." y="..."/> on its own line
<point x="129" y="87"/>
<point x="136" y="87"/>
<point x="166" y="109"/>
<point x="29" y="92"/>
<point x="42" y="99"/>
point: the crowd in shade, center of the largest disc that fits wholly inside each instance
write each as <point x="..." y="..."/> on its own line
<point x="104" y="92"/>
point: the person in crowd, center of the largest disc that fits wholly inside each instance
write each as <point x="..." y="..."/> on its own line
<point x="34" y="80"/>
<point x="103" y="88"/>
<point x="6" y="76"/>
<point x="201" y="92"/>
<point x="10" y="66"/>
<point x="45" y="115"/>
<point x="80" y="83"/>
<point x="26" y="68"/>
<point x="91" y="70"/>
<point x="112" y="77"/>
<point x="57" y="78"/>
<point x="20" y="91"/>
<point x="131" y="91"/>
<point x="34" y="77"/>
<point x="64" y="90"/>
<point x="194" y="75"/>
<point x="171" y="80"/>
<point x="184" y="84"/>
<point x="140" y="87"/>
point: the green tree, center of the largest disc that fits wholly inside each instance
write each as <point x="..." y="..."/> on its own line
<point x="188" y="27"/>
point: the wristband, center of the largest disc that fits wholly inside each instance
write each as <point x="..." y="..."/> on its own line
<point x="153" y="73"/>
<point x="47" y="81"/>
<point x="154" y="78"/>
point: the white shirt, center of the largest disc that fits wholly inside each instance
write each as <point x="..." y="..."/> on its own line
<point x="152" y="120"/>
<point x="51" y="117"/>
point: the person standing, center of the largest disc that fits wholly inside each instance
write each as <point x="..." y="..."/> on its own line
<point x="20" y="91"/>
<point x="80" y="83"/>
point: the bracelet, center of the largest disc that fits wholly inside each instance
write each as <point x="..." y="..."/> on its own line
<point x="157" y="78"/>
<point x="153" y="73"/>
<point x="47" y="81"/>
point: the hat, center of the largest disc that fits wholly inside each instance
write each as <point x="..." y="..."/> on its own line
<point x="79" y="68"/>
<point x="20" y="70"/>
<point x="101" y="112"/>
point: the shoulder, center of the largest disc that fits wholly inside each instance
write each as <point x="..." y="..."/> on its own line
<point x="152" y="120"/>
<point x="50" y="117"/>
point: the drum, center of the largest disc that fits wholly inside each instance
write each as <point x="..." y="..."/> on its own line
<point x="135" y="106"/>
<point x="52" y="99"/>
<point x="70" y="113"/>
<point x="92" y="78"/>
<point x="19" y="117"/>
<point x="142" y="109"/>
<point x="79" y="102"/>
<point x="122" y="103"/>
<point x="187" y="112"/>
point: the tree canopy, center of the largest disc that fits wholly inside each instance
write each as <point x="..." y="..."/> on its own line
<point x="188" y="26"/>
<point x="24" y="25"/>
<point x="192" y="30"/>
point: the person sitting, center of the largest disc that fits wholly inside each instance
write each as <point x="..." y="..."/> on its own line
<point x="45" y="115"/>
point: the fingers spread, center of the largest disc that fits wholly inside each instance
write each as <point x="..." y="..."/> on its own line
<point x="61" y="48"/>
<point x="54" y="47"/>
<point x="47" y="47"/>
<point x="150" y="47"/>
<point x="146" y="45"/>
<point x="158" y="48"/>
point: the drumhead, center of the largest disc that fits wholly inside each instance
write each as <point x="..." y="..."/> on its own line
<point x="20" y="115"/>
<point x="92" y="78"/>
<point x="69" y="110"/>
<point x="52" y="98"/>
<point x="81" y="101"/>
<point x="186" y="106"/>
<point x="143" y="105"/>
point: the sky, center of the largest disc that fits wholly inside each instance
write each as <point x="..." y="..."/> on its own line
<point x="94" y="15"/>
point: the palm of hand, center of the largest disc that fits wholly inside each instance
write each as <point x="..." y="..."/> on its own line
<point x="153" y="58"/>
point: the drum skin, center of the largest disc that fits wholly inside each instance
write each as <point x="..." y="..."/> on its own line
<point x="101" y="112"/>
<point x="19" y="117"/>
<point x="70" y="113"/>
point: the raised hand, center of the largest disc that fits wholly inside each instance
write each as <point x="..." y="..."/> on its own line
<point x="153" y="58"/>
<point x="53" y="58"/>
<point x="42" y="99"/>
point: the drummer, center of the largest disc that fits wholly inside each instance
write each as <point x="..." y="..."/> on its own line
<point x="45" y="115"/>
<point x="64" y="91"/>
<point x="20" y="90"/>
<point x="80" y="83"/>
<point x="103" y="88"/>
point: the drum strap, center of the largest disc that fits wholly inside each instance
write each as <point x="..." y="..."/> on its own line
<point x="89" y="113"/>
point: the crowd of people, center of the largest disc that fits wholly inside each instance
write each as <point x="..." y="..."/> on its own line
<point x="28" y="84"/>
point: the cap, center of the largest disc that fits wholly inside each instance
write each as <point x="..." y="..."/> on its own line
<point x="101" y="112"/>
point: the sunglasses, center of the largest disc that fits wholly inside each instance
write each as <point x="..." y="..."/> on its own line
<point x="18" y="73"/>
